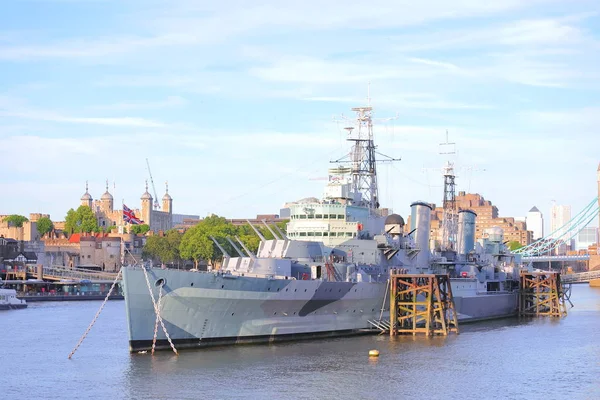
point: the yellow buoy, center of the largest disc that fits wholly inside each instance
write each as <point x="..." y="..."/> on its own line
<point x="373" y="353"/>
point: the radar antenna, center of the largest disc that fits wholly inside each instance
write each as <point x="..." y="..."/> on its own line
<point x="156" y="203"/>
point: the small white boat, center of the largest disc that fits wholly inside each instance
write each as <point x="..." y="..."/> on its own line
<point x="9" y="300"/>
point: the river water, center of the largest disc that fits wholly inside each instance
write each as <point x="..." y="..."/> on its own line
<point x="507" y="359"/>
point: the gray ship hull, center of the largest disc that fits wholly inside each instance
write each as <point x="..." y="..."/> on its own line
<point x="210" y="309"/>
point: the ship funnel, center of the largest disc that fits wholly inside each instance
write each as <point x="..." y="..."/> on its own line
<point x="466" y="231"/>
<point x="420" y="223"/>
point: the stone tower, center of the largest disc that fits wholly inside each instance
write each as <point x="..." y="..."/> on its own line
<point x="86" y="199"/>
<point x="106" y="201"/>
<point x="167" y="201"/>
<point x="147" y="207"/>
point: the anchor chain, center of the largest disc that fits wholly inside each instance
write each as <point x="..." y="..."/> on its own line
<point x="156" y="322"/>
<point x="97" y="314"/>
<point x="157" y="311"/>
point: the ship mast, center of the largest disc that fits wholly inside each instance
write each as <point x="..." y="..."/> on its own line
<point x="450" y="212"/>
<point x="362" y="159"/>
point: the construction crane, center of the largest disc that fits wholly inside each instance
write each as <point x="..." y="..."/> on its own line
<point x="156" y="203"/>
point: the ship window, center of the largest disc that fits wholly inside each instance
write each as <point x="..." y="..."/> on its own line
<point x="318" y="216"/>
<point x="318" y="234"/>
<point x="340" y="233"/>
<point x="325" y="233"/>
<point x="310" y="216"/>
<point x="302" y="216"/>
<point x="311" y="233"/>
<point x="302" y="233"/>
<point x="340" y="216"/>
<point x="349" y="234"/>
<point x="325" y="216"/>
<point x="332" y="216"/>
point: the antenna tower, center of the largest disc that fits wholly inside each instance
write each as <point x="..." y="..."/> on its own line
<point x="156" y="203"/>
<point x="450" y="212"/>
<point x="362" y="159"/>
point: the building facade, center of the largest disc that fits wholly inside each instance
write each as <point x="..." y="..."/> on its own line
<point x="107" y="216"/>
<point x="535" y="223"/>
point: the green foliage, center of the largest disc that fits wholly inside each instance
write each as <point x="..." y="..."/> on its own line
<point x="163" y="249"/>
<point x="15" y="220"/>
<point x="44" y="225"/>
<point x="197" y="245"/>
<point x="139" y="229"/>
<point x="82" y="220"/>
<point x="514" y="245"/>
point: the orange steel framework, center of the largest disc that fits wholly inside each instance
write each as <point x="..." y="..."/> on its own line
<point x="541" y="295"/>
<point x="421" y="303"/>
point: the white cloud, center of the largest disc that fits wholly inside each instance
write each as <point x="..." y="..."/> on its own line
<point x="169" y="102"/>
<point x="48" y="116"/>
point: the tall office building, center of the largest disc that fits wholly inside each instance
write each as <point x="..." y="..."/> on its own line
<point x="559" y="218"/>
<point x="535" y="223"/>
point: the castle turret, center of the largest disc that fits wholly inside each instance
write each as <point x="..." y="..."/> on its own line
<point x="106" y="201"/>
<point x="167" y="200"/>
<point x="147" y="207"/>
<point x="86" y="199"/>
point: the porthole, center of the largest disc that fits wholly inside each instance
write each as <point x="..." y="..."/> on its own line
<point x="269" y="289"/>
<point x="192" y="284"/>
<point x="160" y="282"/>
<point x="222" y="286"/>
<point x="278" y="289"/>
<point x="232" y="314"/>
<point x="305" y="290"/>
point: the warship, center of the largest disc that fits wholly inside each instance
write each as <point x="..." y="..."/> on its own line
<point x="327" y="275"/>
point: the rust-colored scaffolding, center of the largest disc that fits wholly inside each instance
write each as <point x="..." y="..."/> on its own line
<point x="541" y="295"/>
<point x="421" y="303"/>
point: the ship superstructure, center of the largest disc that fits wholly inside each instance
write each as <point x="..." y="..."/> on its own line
<point x="350" y="205"/>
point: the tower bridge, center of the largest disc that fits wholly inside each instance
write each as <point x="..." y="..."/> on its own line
<point x="542" y="250"/>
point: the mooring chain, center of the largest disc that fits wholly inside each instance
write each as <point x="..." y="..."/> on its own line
<point x="157" y="311"/>
<point x="156" y="321"/>
<point x="97" y="314"/>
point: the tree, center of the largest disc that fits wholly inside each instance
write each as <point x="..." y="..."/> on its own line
<point x="197" y="245"/>
<point x="154" y="248"/>
<point x="139" y="229"/>
<point x="173" y="238"/>
<point x="514" y="245"/>
<point x="82" y="220"/>
<point x="44" y="225"/>
<point x="15" y="220"/>
<point x="164" y="249"/>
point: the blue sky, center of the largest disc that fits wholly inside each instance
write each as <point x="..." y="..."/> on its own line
<point x="233" y="102"/>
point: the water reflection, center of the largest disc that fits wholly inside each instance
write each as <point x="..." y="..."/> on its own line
<point x="510" y="358"/>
